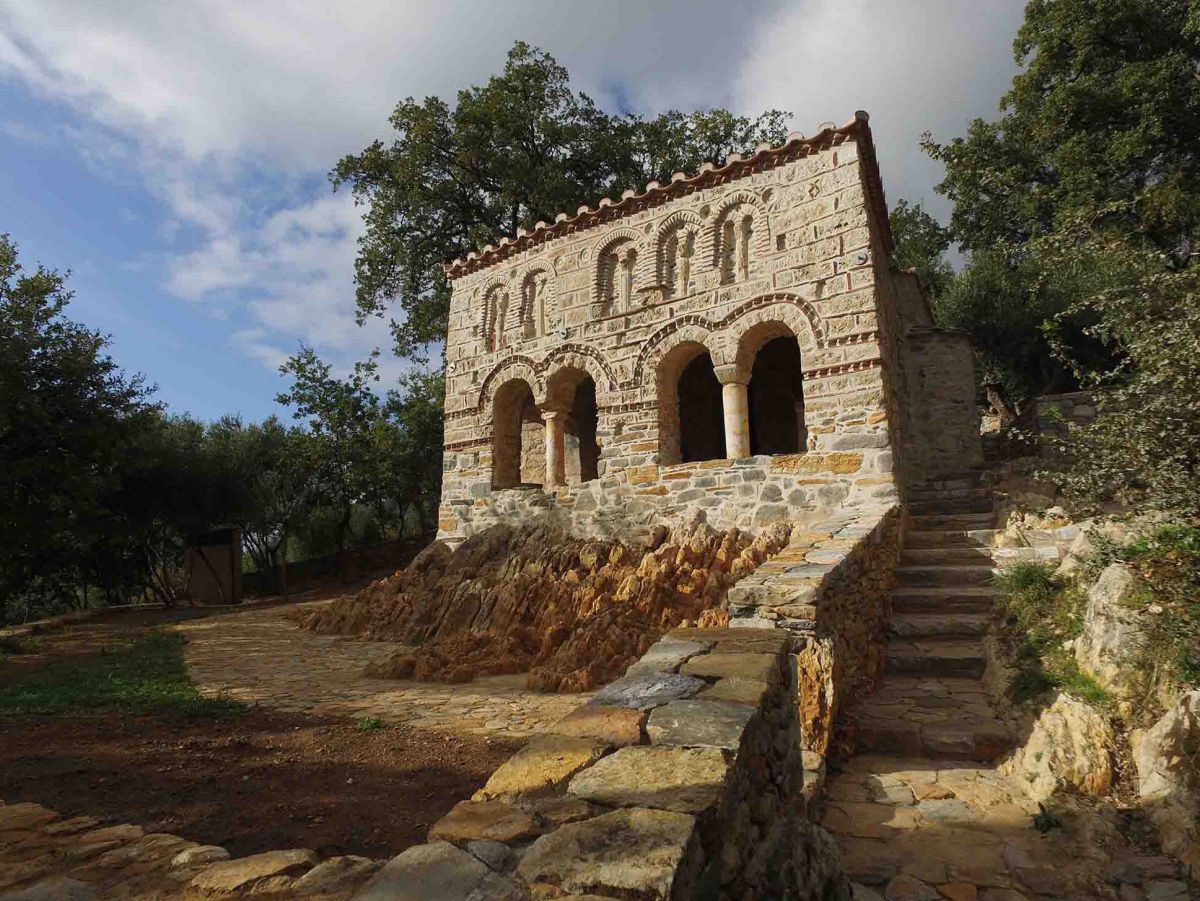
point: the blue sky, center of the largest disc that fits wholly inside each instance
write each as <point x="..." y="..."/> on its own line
<point x="173" y="154"/>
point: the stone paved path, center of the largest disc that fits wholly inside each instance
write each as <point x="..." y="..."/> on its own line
<point x="262" y="656"/>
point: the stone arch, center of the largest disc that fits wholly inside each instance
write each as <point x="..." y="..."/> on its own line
<point x="753" y="324"/>
<point x="536" y="314"/>
<point x="769" y="355"/>
<point x="516" y="430"/>
<point x="684" y="329"/>
<point x="585" y="358"/>
<point x="605" y="294"/>
<point x="740" y="235"/>
<point x="515" y="367"/>
<point x="666" y="261"/>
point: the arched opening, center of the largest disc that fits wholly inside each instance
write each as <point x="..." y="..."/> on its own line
<point x="776" y="399"/>
<point x="690" y="416"/>
<point x="583" y="453"/>
<point x="518" y="437"/>
<point x="573" y="391"/>
<point x="701" y="419"/>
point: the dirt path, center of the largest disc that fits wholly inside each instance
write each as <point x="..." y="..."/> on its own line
<point x="263" y="657"/>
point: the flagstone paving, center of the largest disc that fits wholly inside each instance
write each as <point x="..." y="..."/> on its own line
<point x="264" y="657"/>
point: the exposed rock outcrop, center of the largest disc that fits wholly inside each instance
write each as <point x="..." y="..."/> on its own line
<point x="571" y="612"/>
<point x="1167" y="757"/>
<point x="1111" y="630"/>
<point x="1069" y="748"/>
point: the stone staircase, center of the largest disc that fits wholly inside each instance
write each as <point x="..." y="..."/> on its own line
<point x="931" y="701"/>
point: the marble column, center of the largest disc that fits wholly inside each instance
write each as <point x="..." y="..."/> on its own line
<point x="735" y="403"/>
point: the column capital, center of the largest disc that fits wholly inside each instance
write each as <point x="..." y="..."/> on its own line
<point x="550" y="413"/>
<point x="732" y="374"/>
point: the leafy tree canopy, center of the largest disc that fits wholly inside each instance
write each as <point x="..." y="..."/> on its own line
<point x="521" y="148"/>
<point x="921" y="243"/>
<point x="1106" y="109"/>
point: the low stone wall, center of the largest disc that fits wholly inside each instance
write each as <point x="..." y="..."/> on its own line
<point x="748" y="493"/>
<point x="682" y="780"/>
<point x="830" y="589"/>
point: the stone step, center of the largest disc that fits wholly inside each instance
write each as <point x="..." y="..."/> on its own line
<point x="919" y="715"/>
<point x="926" y="599"/>
<point x="936" y="657"/>
<point x="949" y="538"/>
<point x="953" y="505"/>
<point x="956" y="493"/>
<point x="924" y="522"/>
<point x="949" y="555"/>
<point x="926" y="625"/>
<point x="930" y="575"/>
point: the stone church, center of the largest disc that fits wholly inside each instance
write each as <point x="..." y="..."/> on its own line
<point x="736" y="342"/>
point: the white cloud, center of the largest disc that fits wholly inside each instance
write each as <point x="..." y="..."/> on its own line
<point x="231" y="112"/>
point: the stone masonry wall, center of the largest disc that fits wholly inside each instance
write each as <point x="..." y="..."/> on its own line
<point x="942" y="429"/>
<point x="830" y="588"/>
<point x="682" y="780"/>
<point x="608" y="295"/>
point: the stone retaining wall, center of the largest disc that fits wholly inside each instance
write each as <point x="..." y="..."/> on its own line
<point x="681" y="780"/>
<point x="830" y="589"/>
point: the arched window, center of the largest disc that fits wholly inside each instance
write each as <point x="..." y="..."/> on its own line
<point x="677" y="256"/>
<point x="776" y="399"/>
<point x="618" y="263"/>
<point x="691" y="419"/>
<point x="518" y="437"/>
<point x="737" y="243"/>
<point x="533" y="304"/>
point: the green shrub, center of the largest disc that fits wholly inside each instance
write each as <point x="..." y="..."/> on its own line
<point x="1043" y="614"/>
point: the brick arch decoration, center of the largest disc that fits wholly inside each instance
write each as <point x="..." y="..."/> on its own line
<point x="487" y="312"/>
<point x="797" y="313"/>
<point x="615" y="237"/>
<point x="515" y="367"/>
<point x="762" y="224"/>
<point x="701" y="254"/>
<point x="588" y="359"/>
<point x="522" y="280"/>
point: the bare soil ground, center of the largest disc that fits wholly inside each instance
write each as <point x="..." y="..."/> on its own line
<point x="250" y="782"/>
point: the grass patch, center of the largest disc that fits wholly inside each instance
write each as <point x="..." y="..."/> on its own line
<point x="146" y="676"/>
<point x="1043" y="614"/>
<point x="368" y="724"/>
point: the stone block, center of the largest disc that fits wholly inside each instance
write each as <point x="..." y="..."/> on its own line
<point x="244" y="872"/>
<point x="646" y="692"/>
<point x="737" y="691"/>
<point x="763" y="667"/>
<point x="438" y="872"/>
<point x="687" y="780"/>
<point x="488" y="820"/>
<point x="666" y="656"/>
<point x="542" y="764"/>
<point x="626" y="853"/>
<point x="700" y="724"/>
<point x="615" y="726"/>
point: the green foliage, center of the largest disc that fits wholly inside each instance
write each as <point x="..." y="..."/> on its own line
<point x="1044" y="820"/>
<point x="518" y="149"/>
<point x="1042" y="614"/>
<point x="368" y="724"/>
<point x="1143" y="448"/>
<point x="921" y="243"/>
<point x="69" y="424"/>
<point x="1095" y="147"/>
<point x="1167" y="563"/>
<point x="1105" y="110"/>
<point x="147" y="676"/>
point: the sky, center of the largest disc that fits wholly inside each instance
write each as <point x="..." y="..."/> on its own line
<point x="174" y="154"/>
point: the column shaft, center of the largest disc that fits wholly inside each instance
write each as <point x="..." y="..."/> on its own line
<point x="556" y="449"/>
<point x="736" y="406"/>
